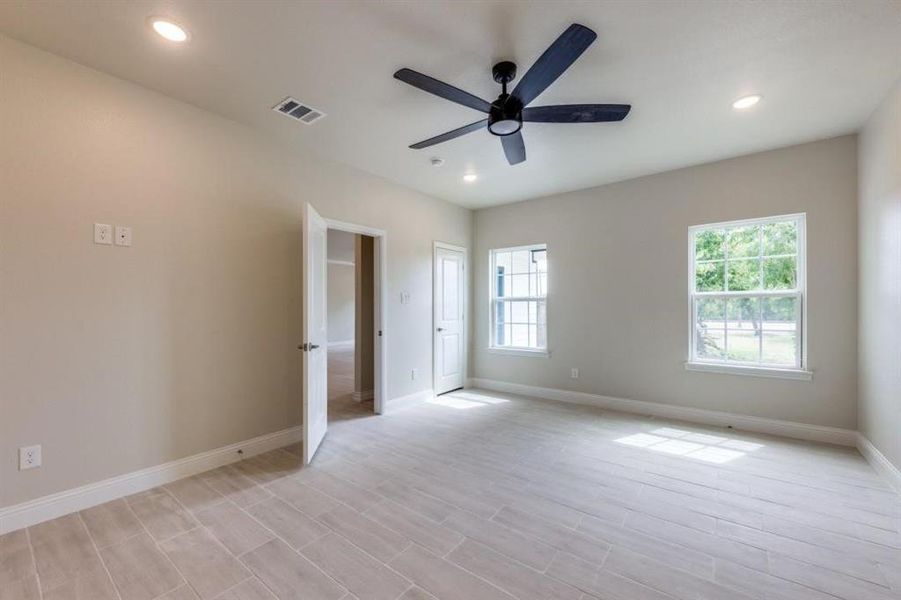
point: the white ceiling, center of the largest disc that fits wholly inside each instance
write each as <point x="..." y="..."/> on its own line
<point x="822" y="67"/>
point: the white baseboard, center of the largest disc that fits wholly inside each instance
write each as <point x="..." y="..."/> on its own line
<point x="344" y="344"/>
<point x="413" y="399"/>
<point x="879" y="462"/>
<point x="361" y="396"/>
<point x="56" y="505"/>
<point x="804" y="431"/>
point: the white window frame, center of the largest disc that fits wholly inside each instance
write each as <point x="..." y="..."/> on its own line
<point x="799" y="370"/>
<point x="492" y="306"/>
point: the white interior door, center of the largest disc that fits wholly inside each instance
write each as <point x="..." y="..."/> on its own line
<point x="449" y="327"/>
<point x="315" y="357"/>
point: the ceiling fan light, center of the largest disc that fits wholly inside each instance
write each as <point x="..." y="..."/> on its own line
<point x="505" y="126"/>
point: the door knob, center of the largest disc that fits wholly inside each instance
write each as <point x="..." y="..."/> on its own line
<point x="313" y="346"/>
<point x="307" y="347"/>
<point x="441" y="329"/>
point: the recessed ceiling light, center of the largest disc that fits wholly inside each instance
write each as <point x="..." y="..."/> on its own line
<point x="470" y="177"/>
<point x="436" y="161"/>
<point x="169" y="30"/>
<point x="746" y="102"/>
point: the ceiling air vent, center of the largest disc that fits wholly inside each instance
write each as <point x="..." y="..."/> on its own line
<point x="298" y="111"/>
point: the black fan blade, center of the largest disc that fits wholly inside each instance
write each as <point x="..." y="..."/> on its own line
<point x="555" y="60"/>
<point x="576" y="113"/>
<point x="444" y="90"/>
<point x="450" y="134"/>
<point x="514" y="148"/>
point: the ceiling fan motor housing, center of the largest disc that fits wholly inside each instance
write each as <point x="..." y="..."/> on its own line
<point x="505" y="116"/>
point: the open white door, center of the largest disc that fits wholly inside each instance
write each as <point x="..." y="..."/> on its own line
<point x="315" y="357"/>
<point x="449" y="327"/>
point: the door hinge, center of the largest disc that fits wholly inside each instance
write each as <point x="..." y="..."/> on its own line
<point x="380" y="333"/>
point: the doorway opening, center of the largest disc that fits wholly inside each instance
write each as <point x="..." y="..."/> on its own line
<point x="351" y="319"/>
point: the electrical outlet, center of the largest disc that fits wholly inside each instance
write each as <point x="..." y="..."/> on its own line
<point x="103" y="234"/>
<point x="413" y="374"/>
<point x="405" y="297"/>
<point x="574" y="373"/>
<point x="29" y="457"/>
<point x="123" y="235"/>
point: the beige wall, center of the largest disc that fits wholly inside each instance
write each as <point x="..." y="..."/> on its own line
<point x="880" y="278"/>
<point x="115" y="359"/>
<point x="340" y="303"/>
<point x="364" y="349"/>
<point x="618" y="299"/>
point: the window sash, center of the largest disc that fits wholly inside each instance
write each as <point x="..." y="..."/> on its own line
<point x="695" y="357"/>
<point x="495" y="299"/>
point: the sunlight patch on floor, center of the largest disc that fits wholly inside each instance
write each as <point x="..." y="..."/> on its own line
<point x="700" y="446"/>
<point x="465" y="400"/>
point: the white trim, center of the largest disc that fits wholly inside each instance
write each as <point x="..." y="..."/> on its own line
<point x="343" y="263"/>
<point x="343" y="344"/>
<point x="380" y="306"/>
<point x="879" y="462"/>
<point x="749" y="370"/>
<point x="62" y="503"/>
<point x="409" y="400"/>
<point x="466" y="317"/>
<point x="361" y="396"/>
<point x="518" y="351"/>
<point x="792" y="429"/>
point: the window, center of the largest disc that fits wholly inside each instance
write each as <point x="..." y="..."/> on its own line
<point x="519" y="298"/>
<point x="747" y="293"/>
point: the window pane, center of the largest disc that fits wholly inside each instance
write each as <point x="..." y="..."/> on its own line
<point x="711" y="343"/>
<point x="780" y="238"/>
<point x="743" y="314"/>
<point x="744" y="275"/>
<point x="709" y="277"/>
<point x="744" y="241"/>
<point x="779" y="348"/>
<point x="500" y="284"/>
<point x="519" y="312"/>
<point x="519" y="335"/>
<point x="743" y="346"/>
<point x="502" y="261"/>
<point x="709" y="244"/>
<point x="519" y="285"/>
<point x="779" y="273"/>
<point x="711" y="313"/>
<point x="780" y="314"/>
<point x="522" y="260"/>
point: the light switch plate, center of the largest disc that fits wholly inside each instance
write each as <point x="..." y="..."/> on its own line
<point x="123" y="235"/>
<point x="103" y="234"/>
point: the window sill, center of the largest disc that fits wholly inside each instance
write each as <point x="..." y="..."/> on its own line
<point x="519" y="352"/>
<point x="796" y="374"/>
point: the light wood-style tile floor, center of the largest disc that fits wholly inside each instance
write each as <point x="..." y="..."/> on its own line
<point x="341" y="405"/>
<point x="480" y="496"/>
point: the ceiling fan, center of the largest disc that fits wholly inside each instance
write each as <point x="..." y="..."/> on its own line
<point x="507" y="114"/>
